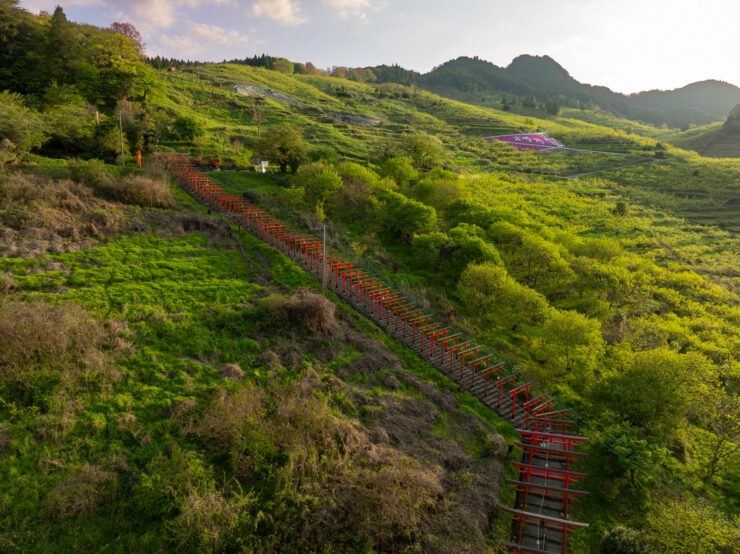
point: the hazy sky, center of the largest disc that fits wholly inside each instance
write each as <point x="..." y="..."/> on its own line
<point x="627" y="45"/>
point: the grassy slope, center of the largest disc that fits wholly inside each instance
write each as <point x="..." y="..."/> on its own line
<point x="673" y="186"/>
<point x="116" y="467"/>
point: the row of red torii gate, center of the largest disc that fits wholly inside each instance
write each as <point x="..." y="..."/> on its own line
<point x="540" y="522"/>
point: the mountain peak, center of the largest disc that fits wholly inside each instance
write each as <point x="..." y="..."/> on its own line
<point x="527" y="66"/>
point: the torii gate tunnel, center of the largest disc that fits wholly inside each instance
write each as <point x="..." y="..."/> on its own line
<point x="546" y="476"/>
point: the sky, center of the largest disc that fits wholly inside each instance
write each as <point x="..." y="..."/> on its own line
<point x="627" y="45"/>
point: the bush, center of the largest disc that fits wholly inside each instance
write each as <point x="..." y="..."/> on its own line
<point x="60" y="337"/>
<point x="143" y="191"/>
<point x="188" y="128"/>
<point x="7" y="284"/>
<point x="406" y="217"/>
<point x="624" y="540"/>
<point x="81" y="493"/>
<point x="489" y="293"/>
<point x="304" y="309"/>
<point x="92" y="173"/>
<point x="136" y="189"/>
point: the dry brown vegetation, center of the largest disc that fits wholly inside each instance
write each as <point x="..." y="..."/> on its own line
<point x="306" y="310"/>
<point x="151" y="190"/>
<point x="326" y="480"/>
<point x="82" y="492"/>
<point x="46" y="346"/>
<point x="38" y="214"/>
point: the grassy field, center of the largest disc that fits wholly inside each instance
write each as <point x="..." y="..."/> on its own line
<point x="188" y="408"/>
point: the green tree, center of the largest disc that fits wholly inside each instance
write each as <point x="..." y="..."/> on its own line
<point x="439" y="188"/>
<point x="357" y="199"/>
<point x="489" y="293"/>
<point x="131" y="33"/>
<point x="571" y="343"/>
<point x="188" y="127"/>
<point x="320" y="182"/>
<point x="400" y="170"/>
<point x="552" y="107"/>
<point x="323" y="153"/>
<point x="720" y="414"/>
<point x="283" y="144"/>
<point x="530" y="258"/>
<point x="656" y="391"/>
<point x="21" y="129"/>
<point x="404" y="216"/>
<point x="426" y="152"/>
<point x="111" y="68"/>
<point x="449" y="254"/>
<point x="63" y="48"/>
<point x="690" y="528"/>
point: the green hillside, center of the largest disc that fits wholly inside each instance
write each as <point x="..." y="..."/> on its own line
<point x="715" y="141"/>
<point x="171" y="383"/>
<point x="541" y="79"/>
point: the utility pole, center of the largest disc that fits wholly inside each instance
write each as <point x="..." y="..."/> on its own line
<point x="120" y="131"/>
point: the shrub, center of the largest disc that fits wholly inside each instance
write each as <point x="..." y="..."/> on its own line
<point x="188" y="128"/>
<point x="147" y="191"/>
<point x="488" y="292"/>
<point x="92" y="173"/>
<point x="405" y="216"/>
<point x="81" y="493"/>
<point x="144" y="191"/>
<point x="624" y="540"/>
<point x="7" y="284"/>
<point x="306" y="309"/>
<point x="41" y="346"/>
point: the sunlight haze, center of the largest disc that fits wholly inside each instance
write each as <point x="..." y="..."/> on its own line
<point x="628" y="46"/>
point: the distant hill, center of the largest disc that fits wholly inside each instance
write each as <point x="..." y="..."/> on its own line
<point x="714" y="98"/>
<point x="719" y="143"/>
<point x="541" y="77"/>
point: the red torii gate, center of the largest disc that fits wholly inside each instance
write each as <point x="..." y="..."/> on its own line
<point x="548" y="491"/>
<point x="418" y="322"/>
<point x="516" y="391"/>
<point x="401" y="310"/>
<point x="446" y="341"/>
<point x="362" y="284"/>
<point x="530" y="404"/>
<point x="486" y="372"/>
<point x="414" y="312"/>
<point x="393" y="303"/>
<point x="532" y="450"/>
<point x="452" y="349"/>
<point x="369" y="288"/>
<point x="566" y="442"/>
<point x="563" y="525"/>
<point x="502" y="381"/>
<point x="426" y="330"/>
<point x="382" y="300"/>
<point x="433" y="338"/>
<point x="567" y="476"/>
<point x="463" y="357"/>
<point x="349" y="273"/>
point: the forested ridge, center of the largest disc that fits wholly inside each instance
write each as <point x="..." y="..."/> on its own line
<point x="159" y="391"/>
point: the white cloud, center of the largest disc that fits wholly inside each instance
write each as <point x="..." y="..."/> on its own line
<point x="282" y="11"/>
<point x="213" y="34"/>
<point x="198" y="38"/>
<point x="351" y="7"/>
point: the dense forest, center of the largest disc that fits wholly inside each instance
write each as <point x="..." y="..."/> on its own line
<point x="161" y="387"/>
